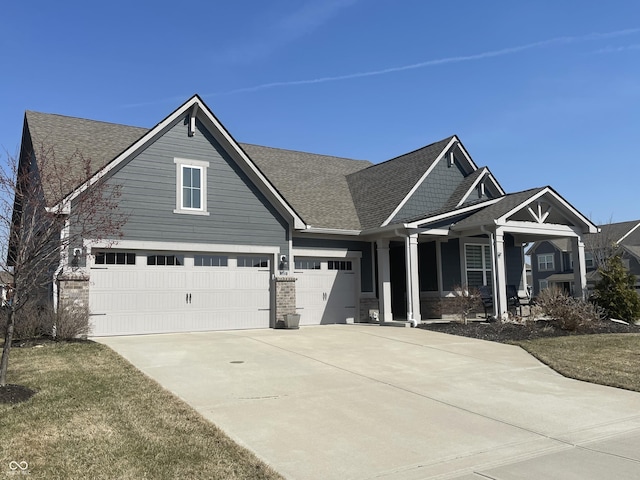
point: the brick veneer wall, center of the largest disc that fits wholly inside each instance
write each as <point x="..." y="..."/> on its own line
<point x="285" y="288"/>
<point x="367" y="304"/>
<point x="73" y="290"/>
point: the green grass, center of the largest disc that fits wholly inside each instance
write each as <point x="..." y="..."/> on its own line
<point x="95" y="416"/>
<point x="608" y="359"/>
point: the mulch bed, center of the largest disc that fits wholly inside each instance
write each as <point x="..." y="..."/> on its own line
<point x="15" y="393"/>
<point x="513" y="332"/>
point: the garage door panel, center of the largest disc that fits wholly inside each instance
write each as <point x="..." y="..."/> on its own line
<point x="325" y="296"/>
<point x="136" y="299"/>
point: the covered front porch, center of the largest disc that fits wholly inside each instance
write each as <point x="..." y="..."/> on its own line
<point x="420" y="264"/>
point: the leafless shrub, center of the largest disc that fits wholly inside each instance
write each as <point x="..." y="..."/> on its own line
<point x="572" y="313"/>
<point x="34" y="320"/>
<point x="465" y="300"/>
<point x="72" y="322"/>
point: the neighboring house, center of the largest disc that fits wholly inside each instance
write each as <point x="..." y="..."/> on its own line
<point x="226" y="235"/>
<point x="553" y="262"/>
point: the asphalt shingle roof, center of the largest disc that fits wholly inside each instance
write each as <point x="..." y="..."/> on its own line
<point x="315" y="185"/>
<point x="377" y="190"/>
<point x="498" y="209"/>
<point x="68" y="140"/>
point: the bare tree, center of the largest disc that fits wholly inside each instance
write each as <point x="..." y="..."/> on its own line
<point x="603" y="245"/>
<point x="42" y="215"/>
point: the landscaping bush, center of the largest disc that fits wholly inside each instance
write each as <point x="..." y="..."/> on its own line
<point x="615" y="292"/>
<point x="72" y="322"/>
<point x="572" y="313"/>
<point x="33" y="320"/>
<point x="465" y="300"/>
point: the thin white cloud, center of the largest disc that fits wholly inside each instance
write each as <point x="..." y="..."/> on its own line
<point x="435" y="62"/>
<point x="624" y="48"/>
<point x="286" y="29"/>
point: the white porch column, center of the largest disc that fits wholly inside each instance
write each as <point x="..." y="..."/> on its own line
<point x="413" y="279"/>
<point x="500" y="294"/>
<point x="384" y="280"/>
<point x="579" y="268"/>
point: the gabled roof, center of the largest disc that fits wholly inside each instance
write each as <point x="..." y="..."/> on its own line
<point x="379" y="189"/>
<point x="536" y="206"/>
<point x="316" y="185"/>
<point x="70" y="140"/>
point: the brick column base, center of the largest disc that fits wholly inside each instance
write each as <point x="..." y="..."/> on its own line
<point x="285" y="288"/>
<point x="73" y="291"/>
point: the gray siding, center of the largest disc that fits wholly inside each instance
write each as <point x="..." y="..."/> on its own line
<point x="514" y="263"/>
<point x="238" y="212"/>
<point x="366" y="263"/>
<point x="428" y="267"/>
<point x="434" y="192"/>
<point x="451" y="264"/>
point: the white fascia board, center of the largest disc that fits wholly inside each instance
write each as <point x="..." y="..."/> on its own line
<point x="142" y="142"/>
<point x="194" y="104"/>
<point x="453" y="213"/>
<point x="180" y="246"/>
<point x="628" y="233"/>
<point x="332" y="231"/>
<point x="474" y="167"/>
<point x="473" y="186"/>
<point x="549" y="229"/>
<point x="253" y="170"/>
<point x="453" y="141"/>
<point x="326" y="253"/>
<point x="591" y="227"/>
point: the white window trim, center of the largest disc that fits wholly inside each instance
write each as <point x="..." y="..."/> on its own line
<point x="183" y="162"/>
<point x="487" y="265"/>
<point x="553" y="262"/>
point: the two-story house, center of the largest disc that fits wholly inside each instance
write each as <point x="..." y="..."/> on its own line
<point x="553" y="261"/>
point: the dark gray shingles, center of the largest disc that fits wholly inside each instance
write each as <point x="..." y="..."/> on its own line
<point x="314" y="185"/>
<point x="72" y="142"/>
<point x="463" y="188"/>
<point x="379" y="189"/>
<point x="503" y="206"/>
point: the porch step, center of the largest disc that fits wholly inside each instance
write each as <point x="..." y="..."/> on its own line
<point x="396" y="323"/>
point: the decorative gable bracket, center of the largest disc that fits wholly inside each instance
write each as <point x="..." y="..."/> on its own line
<point x="192" y="119"/>
<point x="541" y="212"/>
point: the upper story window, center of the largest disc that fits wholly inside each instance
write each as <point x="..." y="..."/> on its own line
<point x="588" y="260"/>
<point x="191" y="186"/>
<point x="545" y="262"/>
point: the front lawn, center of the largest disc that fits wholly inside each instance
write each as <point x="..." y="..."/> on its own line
<point x="611" y="359"/>
<point x="95" y="416"/>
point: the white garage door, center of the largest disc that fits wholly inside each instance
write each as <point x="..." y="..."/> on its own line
<point x="137" y="293"/>
<point x="325" y="290"/>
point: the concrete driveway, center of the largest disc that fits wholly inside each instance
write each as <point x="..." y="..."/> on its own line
<point x="364" y="401"/>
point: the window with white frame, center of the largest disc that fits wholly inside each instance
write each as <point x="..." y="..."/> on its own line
<point x="543" y="284"/>
<point x="478" y="264"/>
<point x="191" y="186"/>
<point x="545" y="262"/>
<point x="210" y="260"/>
<point x="588" y="260"/>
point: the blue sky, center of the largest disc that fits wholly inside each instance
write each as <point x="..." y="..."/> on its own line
<point x="542" y="92"/>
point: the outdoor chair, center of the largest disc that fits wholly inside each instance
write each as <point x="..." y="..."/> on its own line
<point x="487" y="299"/>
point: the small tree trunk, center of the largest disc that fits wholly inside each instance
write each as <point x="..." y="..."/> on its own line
<point x="8" y="338"/>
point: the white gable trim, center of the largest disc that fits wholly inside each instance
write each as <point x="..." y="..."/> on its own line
<point x="628" y="233"/>
<point x="193" y="106"/>
<point x="452" y="142"/>
<point x="591" y="228"/>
